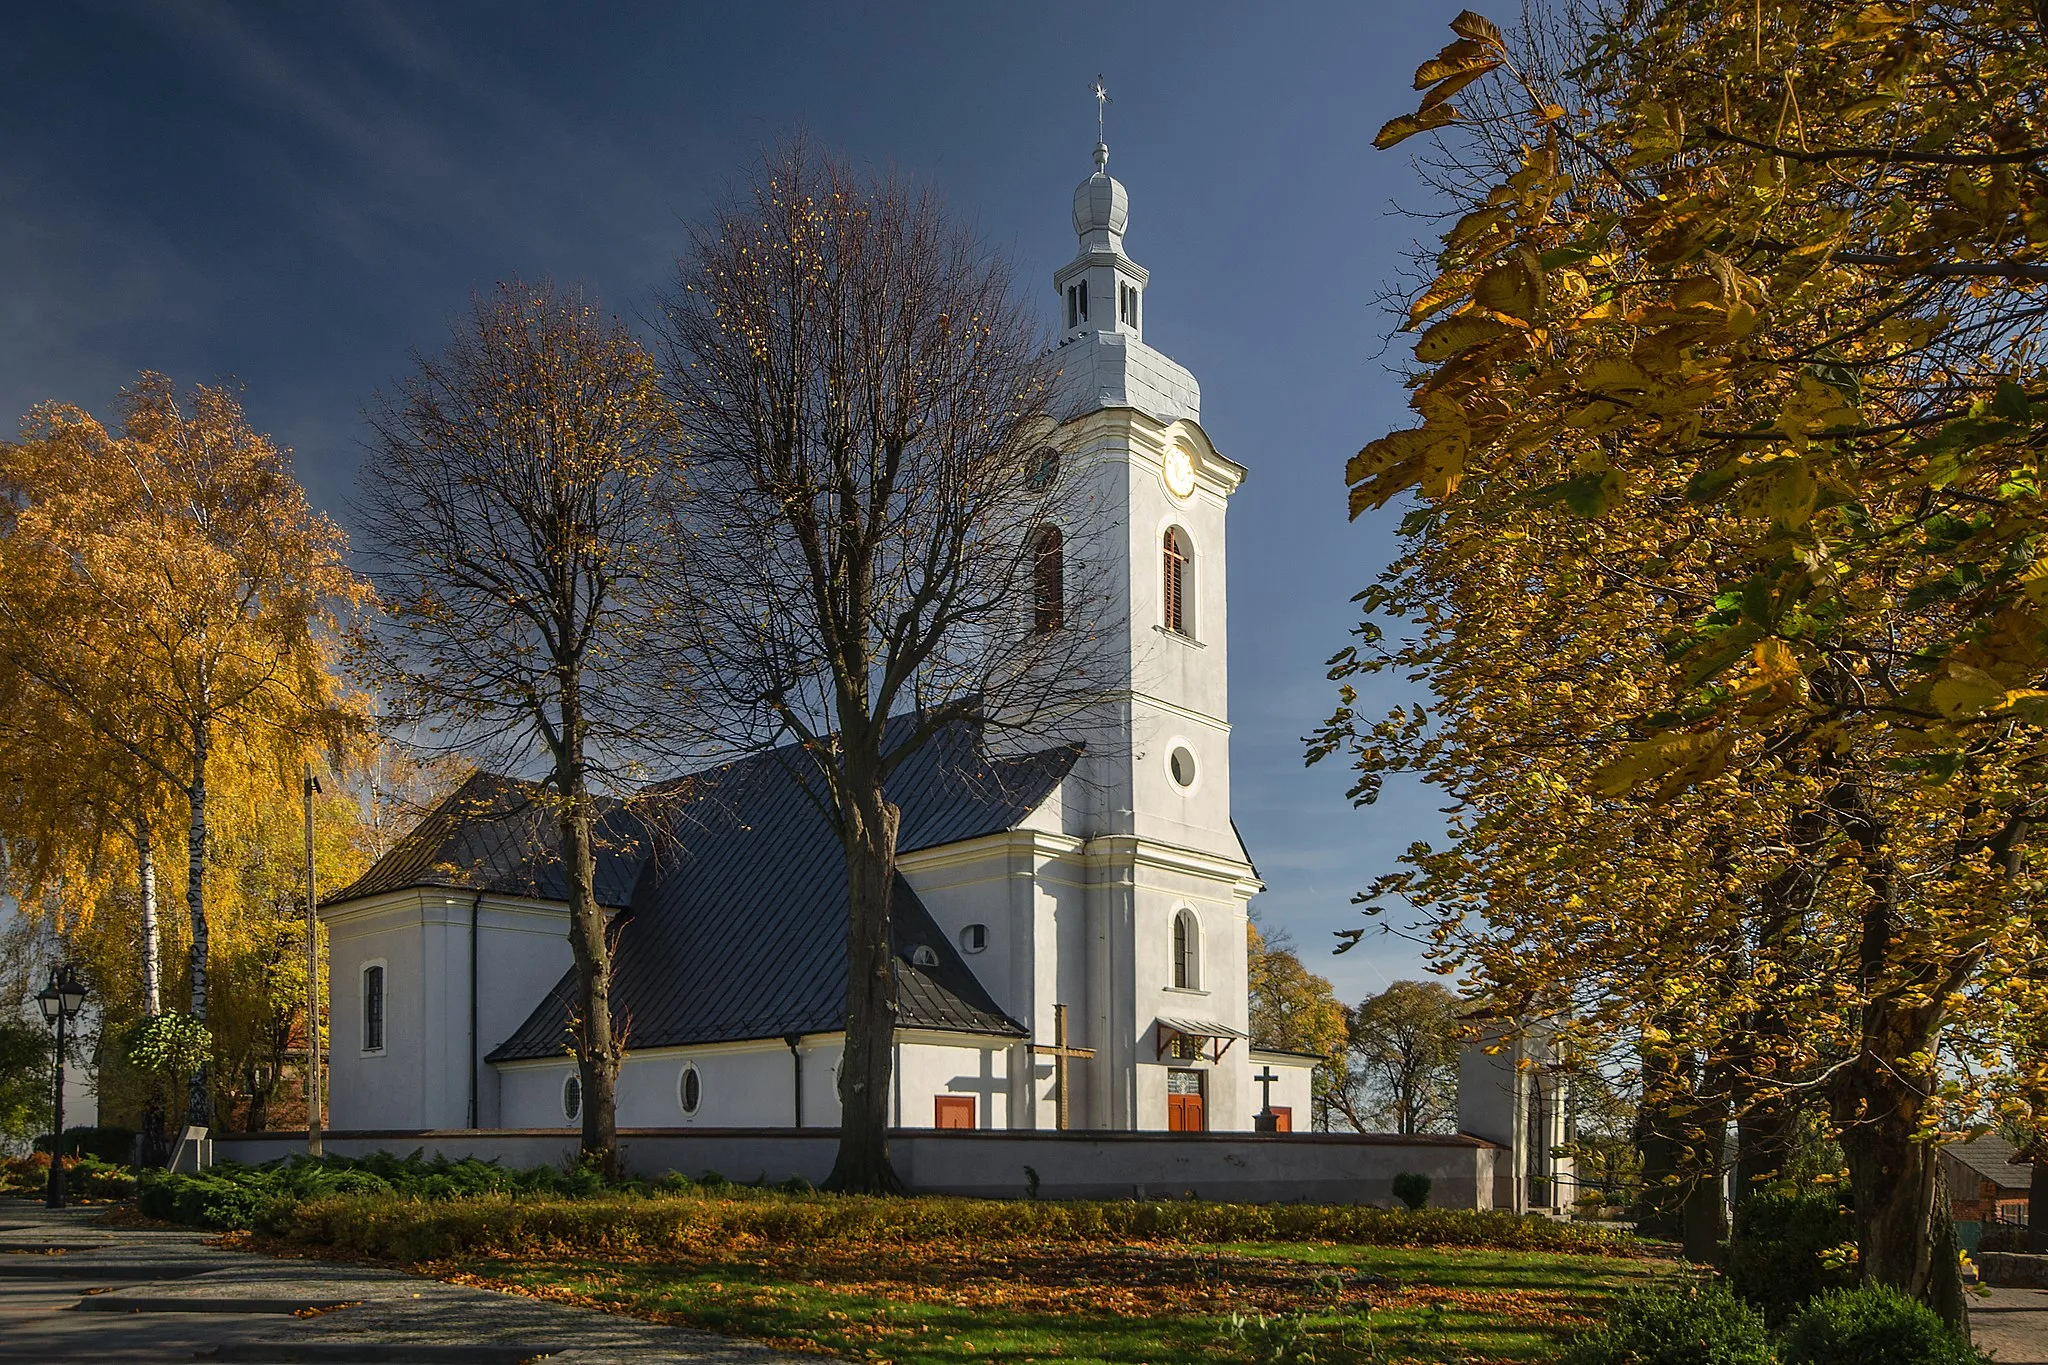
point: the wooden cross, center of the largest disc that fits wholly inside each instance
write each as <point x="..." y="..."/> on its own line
<point x="1059" y="1052"/>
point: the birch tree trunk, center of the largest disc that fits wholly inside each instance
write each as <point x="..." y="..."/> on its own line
<point x="145" y="861"/>
<point x="197" y="1103"/>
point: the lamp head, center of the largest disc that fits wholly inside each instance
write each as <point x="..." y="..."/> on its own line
<point x="50" y="1000"/>
<point x="70" y="991"/>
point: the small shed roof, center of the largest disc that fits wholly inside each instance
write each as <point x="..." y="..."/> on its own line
<point x="1994" y="1159"/>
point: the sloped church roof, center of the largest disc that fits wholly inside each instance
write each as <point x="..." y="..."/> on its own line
<point x="733" y="922"/>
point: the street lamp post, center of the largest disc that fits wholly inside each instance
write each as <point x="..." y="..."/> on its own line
<point x="60" y="1002"/>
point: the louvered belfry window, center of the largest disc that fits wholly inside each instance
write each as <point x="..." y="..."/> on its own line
<point x="1048" y="580"/>
<point x="1176" y="562"/>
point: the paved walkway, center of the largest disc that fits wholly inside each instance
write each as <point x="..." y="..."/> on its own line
<point x="72" y="1289"/>
<point x="2012" y="1324"/>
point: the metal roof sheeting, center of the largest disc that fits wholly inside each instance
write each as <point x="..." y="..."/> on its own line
<point x="497" y="834"/>
<point x="737" y="928"/>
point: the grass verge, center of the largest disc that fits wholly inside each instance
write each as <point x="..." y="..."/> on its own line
<point x="930" y="1281"/>
<point x="1127" y="1303"/>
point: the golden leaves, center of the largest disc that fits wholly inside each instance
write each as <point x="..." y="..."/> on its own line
<point x="1675" y="761"/>
<point x="1478" y="51"/>
<point x="1457" y="333"/>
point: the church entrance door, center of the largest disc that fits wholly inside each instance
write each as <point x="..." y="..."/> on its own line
<point x="1184" y="1102"/>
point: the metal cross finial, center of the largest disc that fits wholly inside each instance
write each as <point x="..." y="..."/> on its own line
<point x="1101" y="99"/>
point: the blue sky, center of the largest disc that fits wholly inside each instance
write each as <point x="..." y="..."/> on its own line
<point x="293" y="200"/>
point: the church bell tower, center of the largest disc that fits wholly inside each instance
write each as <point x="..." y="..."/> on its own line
<point x="1168" y="878"/>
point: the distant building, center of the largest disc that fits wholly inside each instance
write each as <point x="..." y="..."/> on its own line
<point x="1987" y="1183"/>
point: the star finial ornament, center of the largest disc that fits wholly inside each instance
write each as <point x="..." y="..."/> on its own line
<point x="1102" y="99"/>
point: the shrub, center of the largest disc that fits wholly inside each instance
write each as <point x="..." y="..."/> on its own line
<point x="1697" y="1325"/>
<point x="391" y="1228"/>
<point x="84" y="1177"/>
<point x="262" y="1197"/>
<point x="1873" y="1325"/>
<point x="1411" y="1189"/>
<point x="109" y="1144"/>
<point x="1774" y="1259"/>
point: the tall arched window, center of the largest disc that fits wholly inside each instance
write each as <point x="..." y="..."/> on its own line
<point x="1187" y="949"/>
<point x="1048" y="579"/>
<point x="1175" y="559"/>
<point x="373" y="1007"/>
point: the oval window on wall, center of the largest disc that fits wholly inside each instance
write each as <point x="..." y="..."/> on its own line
<point x="974" y="938"/>
<point x="690" y="1090"/>
<point x="572" y="1098"/>
<point x="1180" y="764"/>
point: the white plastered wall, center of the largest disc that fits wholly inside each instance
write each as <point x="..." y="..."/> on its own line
<point x="422" y="1077"/>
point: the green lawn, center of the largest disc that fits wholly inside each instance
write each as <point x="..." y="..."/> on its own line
<point x="1125" y="1303"/>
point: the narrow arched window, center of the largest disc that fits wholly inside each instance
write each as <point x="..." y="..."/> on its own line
<point x="373" y="1008"/>
<point x="1048" y="579"/>
<point x="1187" y="947"/>
<point x="1176" y="581"/>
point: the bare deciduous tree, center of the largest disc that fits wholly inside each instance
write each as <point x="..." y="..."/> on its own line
<point x="511" y="506"/>
<point x="866" y="408"/>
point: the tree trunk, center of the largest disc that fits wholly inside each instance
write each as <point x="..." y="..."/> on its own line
<point x="145" y="865"/>
<point x="1661" y="1199"/>
<point x="597" y="1052"/>
<point x="197" y="1104"/>
<point x="1704" y="1214"/>
<point x="1901" y="1224"/>
<point x="862" y="1165"/>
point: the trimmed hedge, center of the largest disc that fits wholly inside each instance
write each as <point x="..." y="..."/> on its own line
<point x="1873" y="1326"/>
<point x="235" y="1196"/>
<point x="1698" y="1325"/>
<point x="1774" y="1258"/>
<point x="388" y="1228"/>
<point x="84" y="1177"/>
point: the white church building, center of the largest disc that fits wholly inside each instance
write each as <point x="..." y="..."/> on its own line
<point x="1105" y="888"/>
<point x="1080" y="910"/>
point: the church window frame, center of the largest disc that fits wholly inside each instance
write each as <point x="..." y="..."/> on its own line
<point x="974" y="938"/>
<point x="572" y="1096"/>
<point x="1186" y="972"/>
<point x="1127" y="304"/>
<point x="1048" y="580"/>
<point x="1181" y="768"/>
<point x="690" y="1090"/>
<point x="1176" y="582"/>
<point x="922" y="956"/>
<point x="373" y="1001"/>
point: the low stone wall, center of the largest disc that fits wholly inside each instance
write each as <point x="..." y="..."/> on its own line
<point x="2013" y="1270"/>
<point x="1323" y="1168"/>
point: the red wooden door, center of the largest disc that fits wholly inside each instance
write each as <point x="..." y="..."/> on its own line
<point x="955" y="1111"/>
<point x="1283" y="1118"/>
<point x="1184" y="1102"/>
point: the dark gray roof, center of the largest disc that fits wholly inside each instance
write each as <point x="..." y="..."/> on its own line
<point x="737" y="929"/>
<point x="1995" y="1160"/>
<point x="496" y="834"/>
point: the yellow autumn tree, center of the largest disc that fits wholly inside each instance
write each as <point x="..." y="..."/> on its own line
<point x="169" y="594"/>
<point x="1728" y="568"/>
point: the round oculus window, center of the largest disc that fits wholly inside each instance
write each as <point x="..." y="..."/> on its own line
<point x="572" y="1098"/>
<point x="974" y="938"/>
<point x="690" y="1090"/>
<point x="1181" y="765"/>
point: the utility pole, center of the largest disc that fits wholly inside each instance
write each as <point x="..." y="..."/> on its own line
<point x="312" y="979"/>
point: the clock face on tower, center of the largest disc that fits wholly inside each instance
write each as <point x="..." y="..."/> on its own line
<point x="1179" y="473"/>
